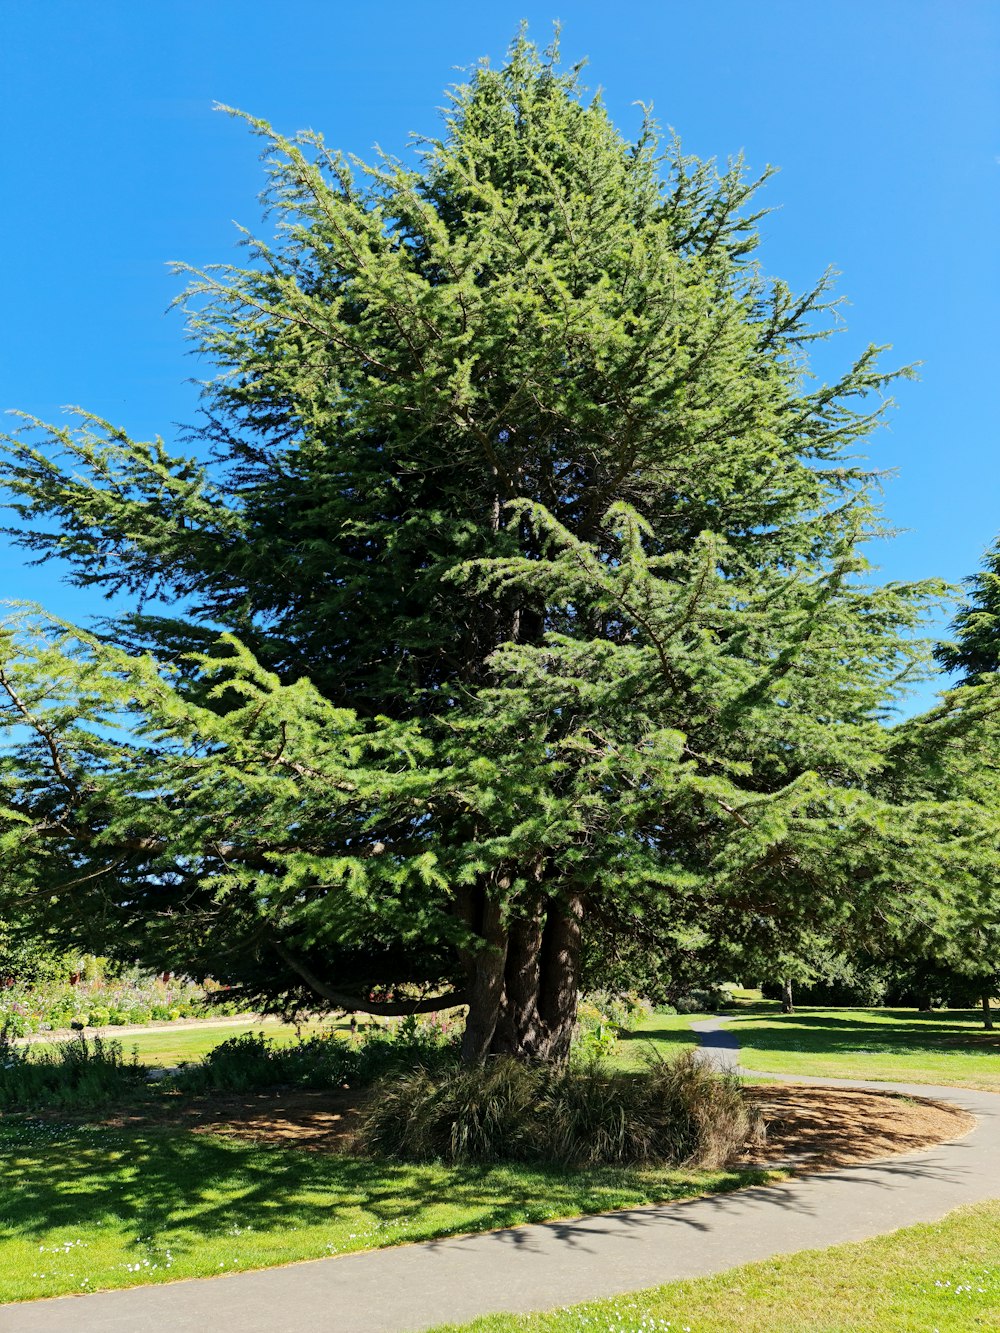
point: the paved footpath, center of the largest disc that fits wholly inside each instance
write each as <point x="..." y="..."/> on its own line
<point x="414" y="1287"/>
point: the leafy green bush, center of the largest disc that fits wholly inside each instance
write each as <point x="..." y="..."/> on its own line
<point x="252" y="1060"/>
<point x="677" y="1112"/>
<point x="601" y="1016"/>
<point x="77" y="1074"/>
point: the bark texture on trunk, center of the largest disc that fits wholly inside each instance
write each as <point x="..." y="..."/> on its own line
<point x="987" y="1013"/>
<point x="523" y="983"/>
<point x="485" y="975"/>
<point x="787" y="999"/>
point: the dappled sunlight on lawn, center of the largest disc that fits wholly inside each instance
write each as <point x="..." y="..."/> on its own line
<point x="86" y="1207"/>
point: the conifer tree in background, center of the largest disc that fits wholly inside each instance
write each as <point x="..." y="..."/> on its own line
<point x="975" y="647"/>
<point x="509" y="606"/>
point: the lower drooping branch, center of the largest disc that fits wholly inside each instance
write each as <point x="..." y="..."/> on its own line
<point x="357" y="1003"/>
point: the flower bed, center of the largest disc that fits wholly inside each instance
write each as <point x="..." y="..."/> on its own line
<point x="98" y="1000"/>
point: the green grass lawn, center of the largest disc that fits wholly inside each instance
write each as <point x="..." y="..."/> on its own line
<point x="667" y="1034"/>
<point x="90" y="1208"/>
<point x="894" y="1045"/>
<point x="942" y="1277"/>
<point x="172" y="1045"/>
<point x="84" y="1208"/>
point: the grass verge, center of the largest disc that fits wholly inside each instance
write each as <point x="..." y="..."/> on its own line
<point x="888" y="1045"/>
<point x="943" y="1276"/>
<point x="92" y="1208"/>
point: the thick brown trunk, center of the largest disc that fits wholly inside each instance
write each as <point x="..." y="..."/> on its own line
<point x="787" y="999"/>
<point x="484" y="969"/>
<point x="987" y="1015"/>
<point x="541" y="983"/>
<point x="522" y="981"/>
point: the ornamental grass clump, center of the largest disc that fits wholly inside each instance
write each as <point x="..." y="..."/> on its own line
<point x="77" y="1074"/>
<point x="678" y="1112"/>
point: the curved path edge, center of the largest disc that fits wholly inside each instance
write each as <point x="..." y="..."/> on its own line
<point x="529" y="1268"/>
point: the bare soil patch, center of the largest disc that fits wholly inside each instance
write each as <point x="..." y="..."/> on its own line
<point x="816" y="1129"/>
<point x="319" y="1121"/>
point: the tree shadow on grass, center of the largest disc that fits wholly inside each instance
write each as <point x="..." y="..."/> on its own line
<point x="679" y="1037"/>
<point x="177" y="1189"/>
<point x="901" y="1032"/>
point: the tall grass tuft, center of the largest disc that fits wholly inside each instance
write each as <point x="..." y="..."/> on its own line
<point x="72" y="1075"/>
<point x="676" y="1112"/>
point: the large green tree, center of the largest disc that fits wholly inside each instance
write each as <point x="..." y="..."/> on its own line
<point x="509" y="601"/>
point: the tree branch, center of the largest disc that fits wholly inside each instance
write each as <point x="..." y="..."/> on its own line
<point x="354" y="1003"/>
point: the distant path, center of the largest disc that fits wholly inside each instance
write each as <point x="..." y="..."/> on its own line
<point x="134" y="1030"/>
<point x="413" y="1287"/>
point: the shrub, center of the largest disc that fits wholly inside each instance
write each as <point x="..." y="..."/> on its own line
<point x="601" y="1016"/>
<point x="705" y="999"/>
<point x="677" y="1112"/>
<point x="77" y="1074"/>
<point x="252" y="1060"/>
<point x="129" y="996"/>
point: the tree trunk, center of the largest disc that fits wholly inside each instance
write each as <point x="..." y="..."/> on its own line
<point x="485" y="977"/>
<point x="987" y="1015"/>
<point x="523" y="985"/>
<point x="787" y="1000"/>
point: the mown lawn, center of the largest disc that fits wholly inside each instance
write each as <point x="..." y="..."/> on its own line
<point x="888" y="1045"/>
<point x="90" y="1208"/>
<point x="944" y="1276"/>
<point x="667" y="1034"/>
<point x="172" y="1046"/>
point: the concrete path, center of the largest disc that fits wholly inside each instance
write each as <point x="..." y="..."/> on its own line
<point x="414" y="1287"/>
<point x="124" y="1031"/>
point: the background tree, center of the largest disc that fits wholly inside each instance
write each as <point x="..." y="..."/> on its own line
<point x="512" y="590"/>
<point x="974" y="649"/>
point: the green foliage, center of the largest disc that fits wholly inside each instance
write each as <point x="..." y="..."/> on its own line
<point x="679" y="1112"/>
<point x="251" y="1060"/>
<point x="548" y="640"/>
<point x="27" y="961"/>
<point x="76" y="1075"/>
<point x="602" y="1016"/>
<point x="975" y="648"/>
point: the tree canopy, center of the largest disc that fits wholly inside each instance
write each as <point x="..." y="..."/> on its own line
<point x="507" y="608"/>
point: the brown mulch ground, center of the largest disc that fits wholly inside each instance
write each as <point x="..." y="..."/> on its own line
<point x="816" y="1129"/>
<point x="320" y="1121"/>
<point x="808" y="1128"/>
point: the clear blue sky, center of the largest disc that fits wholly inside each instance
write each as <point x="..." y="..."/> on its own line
<point x="883" y="116"/>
